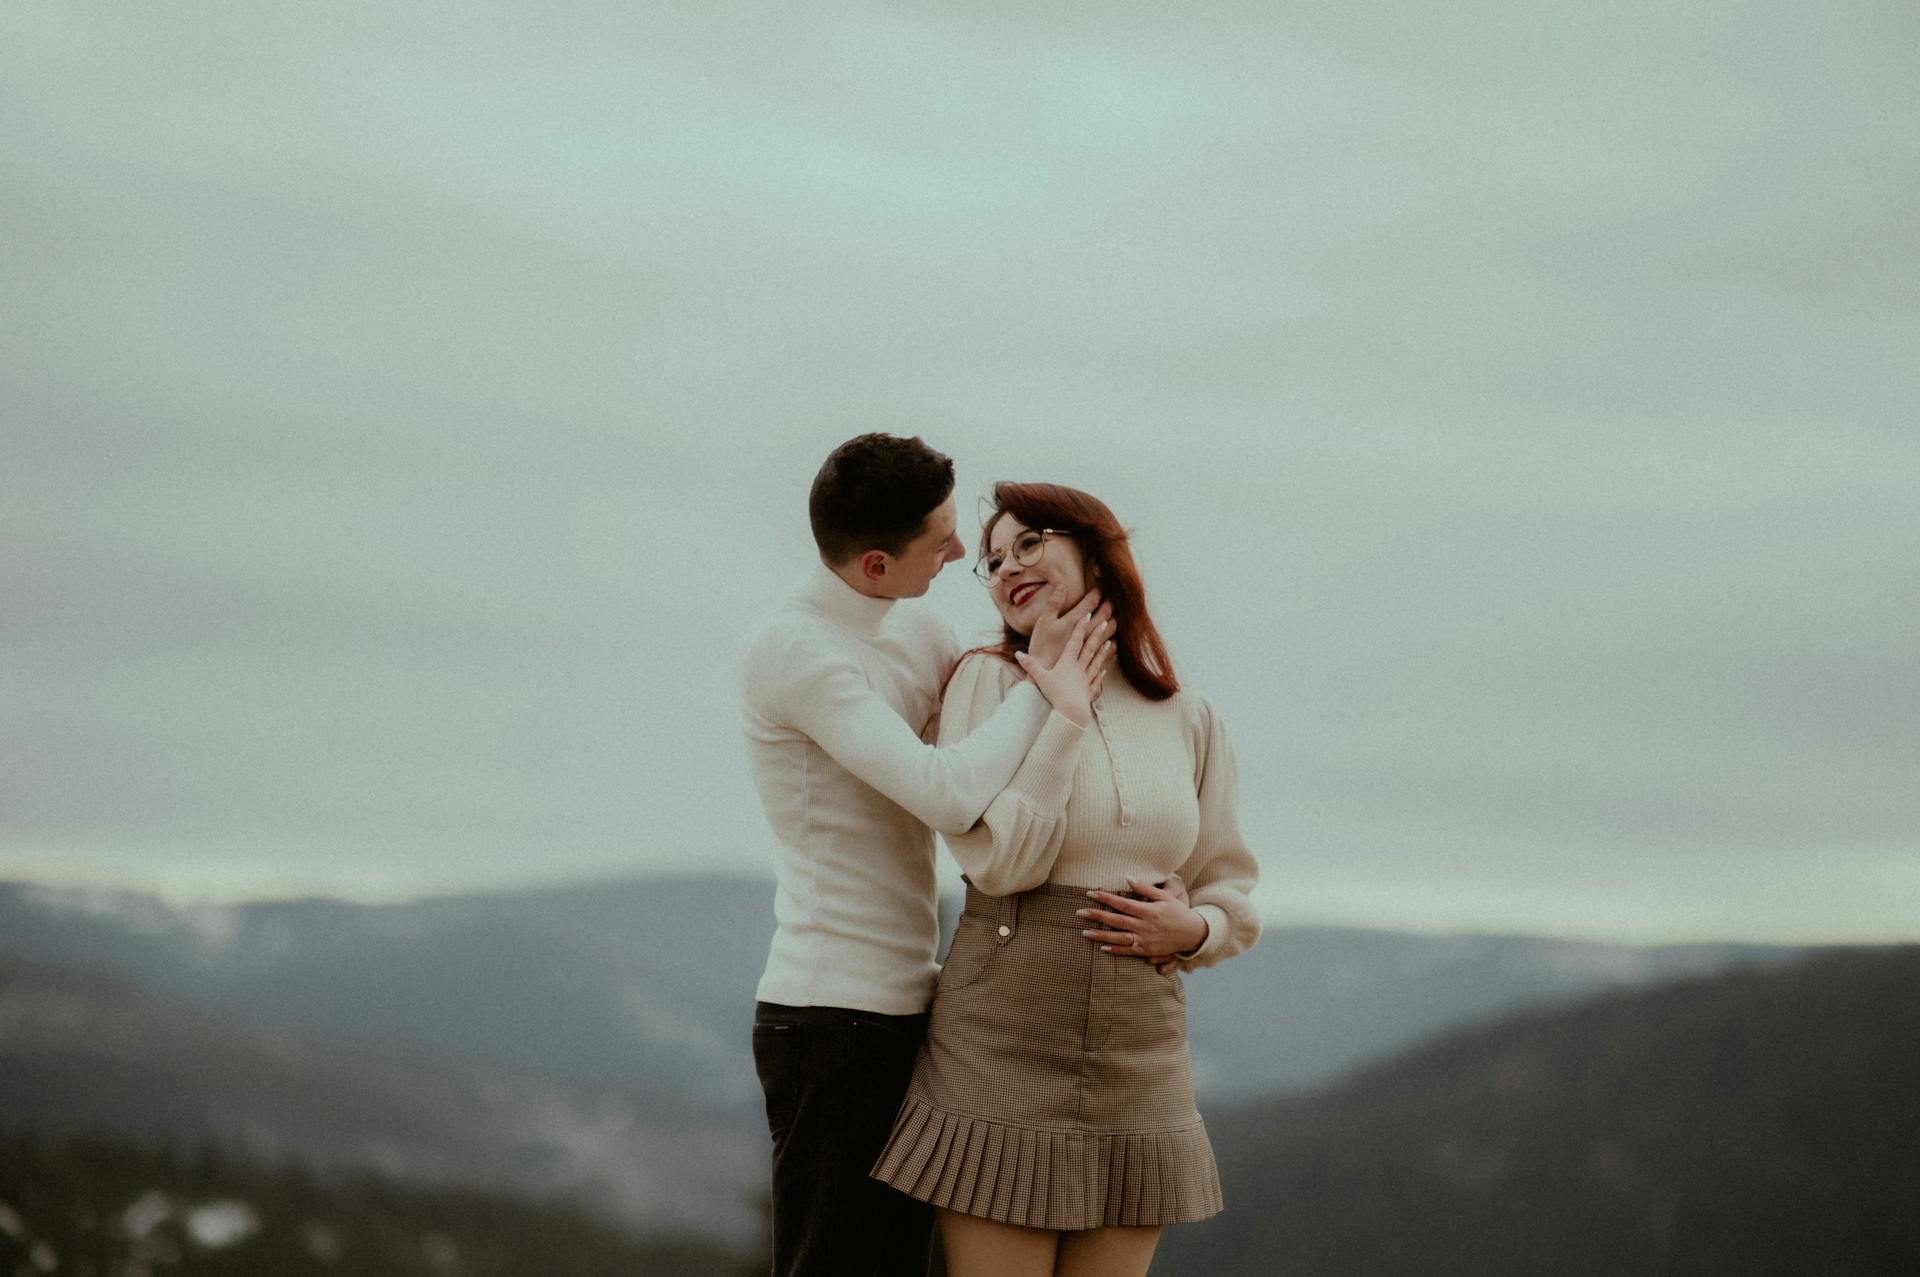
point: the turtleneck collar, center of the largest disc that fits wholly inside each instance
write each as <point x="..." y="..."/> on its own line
<point x="845" y="606"/>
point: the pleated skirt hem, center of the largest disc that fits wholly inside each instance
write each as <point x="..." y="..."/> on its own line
<point x="1053" y="1179"/>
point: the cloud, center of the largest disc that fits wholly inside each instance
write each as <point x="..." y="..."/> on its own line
<point x="405" y="417"/>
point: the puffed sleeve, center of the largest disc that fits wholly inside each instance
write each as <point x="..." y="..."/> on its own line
<point x="1016" y="841"/>
<point x="1222" y="872"/>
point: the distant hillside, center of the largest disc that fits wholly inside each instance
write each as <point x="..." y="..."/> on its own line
<point x="638" y="988"/>
<point x="92" y="1204"/>
<point x="1310" y="1003"/>
<point x="644" y="988"/>
<point x="610" y="1020"/>
<point x="1755" y="1122"/>
<point x="595" y="1038"/>
<point x="81" y="1053"/>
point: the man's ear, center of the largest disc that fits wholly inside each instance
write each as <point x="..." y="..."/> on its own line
<point x="873" y="564"/>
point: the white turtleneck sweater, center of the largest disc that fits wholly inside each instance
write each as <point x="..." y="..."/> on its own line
<point x="835" y="690"/>
<point x="1154" y="792"/>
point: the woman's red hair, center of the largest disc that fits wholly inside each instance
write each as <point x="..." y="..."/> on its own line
<point x="1138" y="648"/>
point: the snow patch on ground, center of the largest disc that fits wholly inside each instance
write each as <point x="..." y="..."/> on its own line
<point x="146" y="1213"/>
<point x="216" y="1225"/>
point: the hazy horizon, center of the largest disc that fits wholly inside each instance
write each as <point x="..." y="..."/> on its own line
<point x="105" y="898"/>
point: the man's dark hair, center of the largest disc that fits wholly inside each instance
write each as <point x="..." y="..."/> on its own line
<point x="875" y="493"/>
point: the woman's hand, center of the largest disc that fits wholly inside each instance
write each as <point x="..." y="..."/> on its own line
<point x="1070" y="682"/>
<point x="1154" y="928"/>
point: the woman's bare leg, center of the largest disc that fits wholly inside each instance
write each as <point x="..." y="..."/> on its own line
<point x="1107" y="1252"/>
<point x="987" y="1248"/>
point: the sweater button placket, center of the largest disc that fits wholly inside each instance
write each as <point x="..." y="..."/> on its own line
<point x="1113" y="766"/>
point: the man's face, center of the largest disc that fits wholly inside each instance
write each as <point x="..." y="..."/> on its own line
<point x="910" y="572"/>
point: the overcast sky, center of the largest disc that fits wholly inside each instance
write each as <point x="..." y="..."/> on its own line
<point x="406" y="409"/>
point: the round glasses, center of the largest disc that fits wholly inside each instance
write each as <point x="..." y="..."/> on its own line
<point x="1025" y="551"/>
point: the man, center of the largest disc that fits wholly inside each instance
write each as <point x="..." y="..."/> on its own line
<point x="836" y="686"/>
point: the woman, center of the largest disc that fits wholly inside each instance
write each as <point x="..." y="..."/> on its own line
<point x="1051" y="1118"/>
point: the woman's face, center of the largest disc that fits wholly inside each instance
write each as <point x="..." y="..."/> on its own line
<point x="1020" y="590"/>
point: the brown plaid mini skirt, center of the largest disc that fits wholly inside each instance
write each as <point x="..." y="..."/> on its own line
<point x="1053" y="1090"/>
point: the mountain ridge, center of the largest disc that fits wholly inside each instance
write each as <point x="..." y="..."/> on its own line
<point x="620" y="979"/>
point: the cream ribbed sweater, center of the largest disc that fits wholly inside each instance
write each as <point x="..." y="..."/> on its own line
<point x="1153" y="792"/>
<point x="834" y="689"/>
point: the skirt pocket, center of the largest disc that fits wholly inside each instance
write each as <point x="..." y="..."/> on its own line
<point x="974" y="944"/>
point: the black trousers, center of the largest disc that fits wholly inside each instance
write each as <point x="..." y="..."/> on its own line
<point x="834" y="1080"/>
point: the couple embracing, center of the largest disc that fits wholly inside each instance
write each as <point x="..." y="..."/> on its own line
<point x="1033" y="1092"/>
